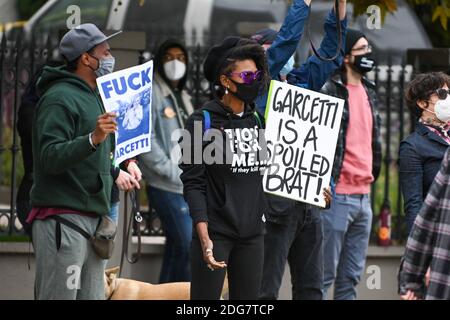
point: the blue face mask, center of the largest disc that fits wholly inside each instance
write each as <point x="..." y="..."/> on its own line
<point x="105" y="66"/>
<point x="288" y="67"/>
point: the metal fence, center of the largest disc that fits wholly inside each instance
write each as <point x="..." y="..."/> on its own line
<point x="397" y="123"/>
<point x="20" y="59"/>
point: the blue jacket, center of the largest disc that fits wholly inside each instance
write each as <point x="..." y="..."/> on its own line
<point x="420" y="159"/>
<point x="313" y="73"/>
<point x="310" y="75"/>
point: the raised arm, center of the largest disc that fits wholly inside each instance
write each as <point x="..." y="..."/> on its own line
<point x="314" y="72"/>
<point x="288" y="37"/>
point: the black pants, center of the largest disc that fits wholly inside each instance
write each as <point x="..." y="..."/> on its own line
<point x="244" y="259"/>
<point x="298" y="239"/>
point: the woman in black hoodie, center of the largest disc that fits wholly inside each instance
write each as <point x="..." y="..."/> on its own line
<point x="222" y="174"/>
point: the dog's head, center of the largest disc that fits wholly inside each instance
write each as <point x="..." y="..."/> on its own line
<point x="110" y="281"/>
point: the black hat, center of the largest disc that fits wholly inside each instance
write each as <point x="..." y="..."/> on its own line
<point x="217" y="55"/>
<point x="352" y="38"/>
<point x="265" y="36"/>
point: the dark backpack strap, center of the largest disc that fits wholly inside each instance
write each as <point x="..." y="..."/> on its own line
<point x="58" y="235"/>
<point x="207" y="123"/>
<point x="73" y="226"/>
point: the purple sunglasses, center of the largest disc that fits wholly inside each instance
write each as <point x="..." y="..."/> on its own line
<point x="248" y="76"/>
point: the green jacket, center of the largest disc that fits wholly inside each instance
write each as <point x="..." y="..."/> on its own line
<point x="68" y="173"/>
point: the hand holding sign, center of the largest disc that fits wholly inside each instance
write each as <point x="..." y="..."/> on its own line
<point x="301" y="132"/>
<point x="328" y="197"/>
<point x="106" y="124"/>
<point x="128" y="93"/>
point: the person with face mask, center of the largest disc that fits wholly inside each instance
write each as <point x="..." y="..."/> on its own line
<point x="424" y="267"/>
<point x="422" y="152"/>
<point x="128" y="175"/>
<point x="171" y="107"/>
<point x="73" y="138"/>
<point x="280" y="47"/>
<point x="424" y="180"/>
<point x="347" y="224"/>
<point x="224" y="188"/>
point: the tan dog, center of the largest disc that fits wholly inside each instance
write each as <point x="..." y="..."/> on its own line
<point x="124" y="289"/>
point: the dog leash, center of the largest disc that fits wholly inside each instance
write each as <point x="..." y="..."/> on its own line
<point x="339" y="30"/>
<point x="127" y="230"/>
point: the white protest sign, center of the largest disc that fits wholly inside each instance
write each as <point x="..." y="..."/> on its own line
<point x="129" y="94"/>
<point x="301" y="132"/>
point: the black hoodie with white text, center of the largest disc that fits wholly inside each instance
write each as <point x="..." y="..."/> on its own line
<point x="226" y="193"/>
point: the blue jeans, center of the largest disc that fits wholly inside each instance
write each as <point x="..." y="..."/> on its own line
<point x="114" y="212"/>
<point x="347" y="226"/>
<point x="177" y="223"/>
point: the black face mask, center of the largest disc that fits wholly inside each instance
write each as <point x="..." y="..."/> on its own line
<point x="247" y="92"/>
<point x="364" y="63"/>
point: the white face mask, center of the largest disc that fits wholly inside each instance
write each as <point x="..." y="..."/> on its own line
<point x="175" y="70"/>
<point x="442" y="110"/>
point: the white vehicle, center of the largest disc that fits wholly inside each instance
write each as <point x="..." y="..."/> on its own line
<point x="193" y="19"/>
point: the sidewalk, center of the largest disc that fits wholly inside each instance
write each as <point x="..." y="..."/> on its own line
<point x="17" y="281"/>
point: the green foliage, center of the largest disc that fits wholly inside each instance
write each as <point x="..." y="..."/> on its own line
<point x="440" y="10"/>
<point x="14" y="239"/>
<point x="434" y="14"/>
<point x="434" y="19"/>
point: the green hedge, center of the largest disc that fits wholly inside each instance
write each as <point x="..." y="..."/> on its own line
<point x="11" y="239"/>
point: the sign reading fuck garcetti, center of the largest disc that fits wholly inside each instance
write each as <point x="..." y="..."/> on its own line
<point x="128" y="93"/>
<point x="302" y="128"/>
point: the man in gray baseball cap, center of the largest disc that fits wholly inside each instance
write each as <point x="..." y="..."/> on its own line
<point x="73" y="138"/>
<point x="82" y="39"/>
<point x="87" y="52"/>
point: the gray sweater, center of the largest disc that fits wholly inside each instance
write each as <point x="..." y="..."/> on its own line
<point x="160" y="166"/>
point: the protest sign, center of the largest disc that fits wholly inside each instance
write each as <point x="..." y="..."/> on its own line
<point x="301" y="132"/>
<point x="129" y="94"/>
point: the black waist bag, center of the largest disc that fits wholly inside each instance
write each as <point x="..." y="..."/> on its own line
<point x="102" y="241"/>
